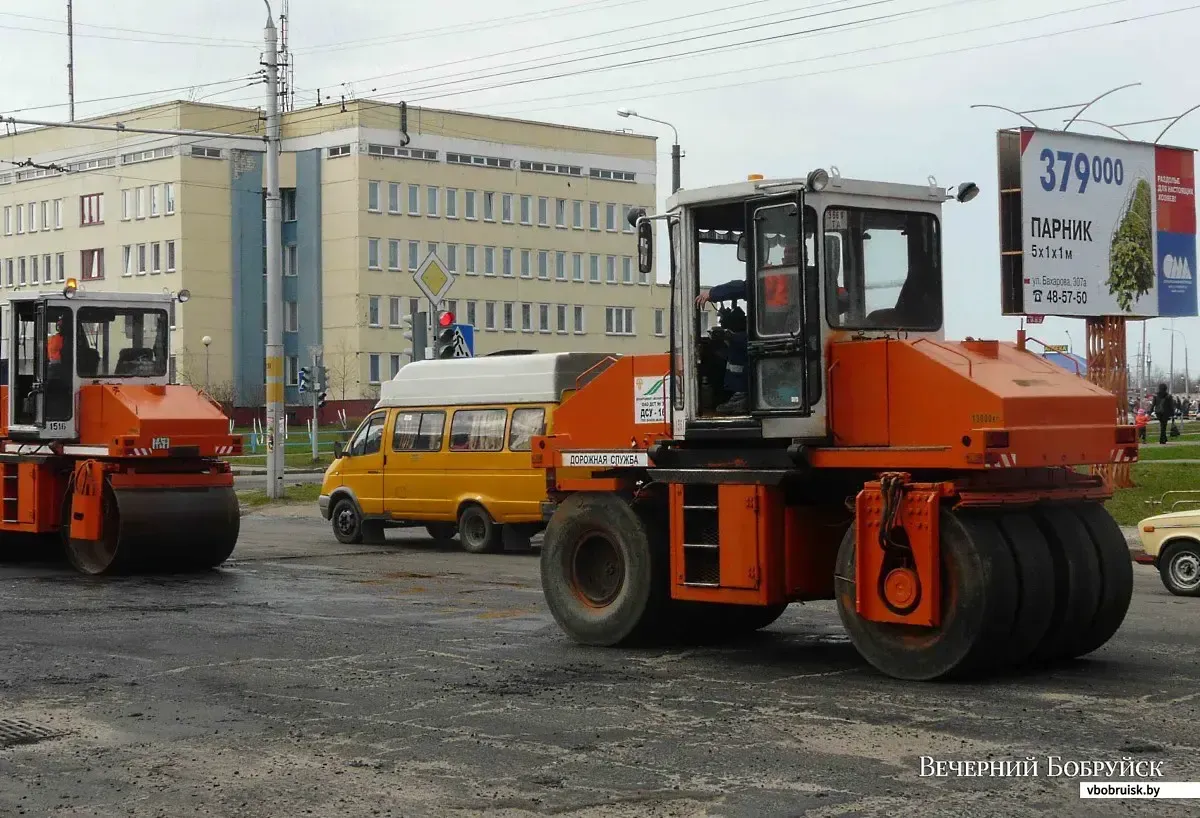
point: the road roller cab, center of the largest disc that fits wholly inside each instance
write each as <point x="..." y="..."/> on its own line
<point x="942" y="492"/>
<point x="100" y="452"/>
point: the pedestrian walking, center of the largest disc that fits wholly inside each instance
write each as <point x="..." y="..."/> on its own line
<point x="1164" y="410"/>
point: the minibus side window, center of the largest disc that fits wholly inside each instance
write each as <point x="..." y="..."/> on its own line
<point x="478" y="430"/>
<point x="369" y="437"/>
<point x="526" y="424"/>
<point x="418" y="431"/>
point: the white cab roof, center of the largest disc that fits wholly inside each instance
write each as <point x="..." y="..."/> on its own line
<point x="535" y="378"/>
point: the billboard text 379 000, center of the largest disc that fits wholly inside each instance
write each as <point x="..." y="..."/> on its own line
<point x="1092" y="226"/>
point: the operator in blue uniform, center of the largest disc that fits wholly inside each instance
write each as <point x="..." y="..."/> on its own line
<point x="736" y="382"/>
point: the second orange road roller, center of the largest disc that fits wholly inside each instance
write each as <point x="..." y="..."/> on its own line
<point x="828" y="442"/>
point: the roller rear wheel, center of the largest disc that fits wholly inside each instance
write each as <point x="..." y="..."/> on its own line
<point x="1116" y="575"/>
<point x="979" y="602"/>
<point x="97" y="557"/>
<point x="1076" y="584"/>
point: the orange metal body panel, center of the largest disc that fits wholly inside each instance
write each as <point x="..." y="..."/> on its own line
<point x="750" y="546"/>
<point x="858" y="394"/>
<point x="133" y="479"/>
<point x="87" y="513"/>
<point x="812" y="536"/>
<point x="917" y="516"/>
<point x="126" y="416"/>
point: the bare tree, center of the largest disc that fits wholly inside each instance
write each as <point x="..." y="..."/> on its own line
<point x="342" y="365"/>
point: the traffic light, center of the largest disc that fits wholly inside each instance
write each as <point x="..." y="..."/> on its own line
<point x="416" y="330"/>
<point x="322" y="380"/>
<point x="443" y="344"/>
<point x="321" y="399"/>
<point x="305" y="379"/>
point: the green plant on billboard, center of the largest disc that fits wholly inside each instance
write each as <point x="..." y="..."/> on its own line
<point x="1131" y="256"/>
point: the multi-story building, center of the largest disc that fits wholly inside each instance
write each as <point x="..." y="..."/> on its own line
<point x="529" y="217"/>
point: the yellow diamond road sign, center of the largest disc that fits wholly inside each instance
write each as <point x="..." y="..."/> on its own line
<point x="433" y="278"/>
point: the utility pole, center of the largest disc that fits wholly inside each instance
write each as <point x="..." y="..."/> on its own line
<point x="276" y="414"/>
<point x="71" y="58"/>
<point x="318" y="388"/>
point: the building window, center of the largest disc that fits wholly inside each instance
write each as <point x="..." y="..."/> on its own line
<point x="489" y="315"/>
<point x="618" y="321"/>
<point x="91" y="209"/>
<point x="8" y="220"/>
<point x="480" y="161"/>
<point x="452" y="257"/>
<point x="414" y="306"/>
<point x="153" y="201"/>
<point x="469" y="204"/>
<point x="126" y="205"/>
<point x="32" y="210"/>
<point x="451" y="203"/>
<point x="543" y="211"/>
<point x="550" y="167"/>
<point x="526" y="204"/>
<point x="21" y="272"/>
<point x="594" y="215"/>
<point x="543" y="317"/>
<point x="526" y="318"/>
<point x="508" y="315"/>
<point x="60" y="263"/>
<point x="394" y="311"/>
<point x="612" y="175"/>
<point x="626" y="227"/>
<point x="155" y="259"/>
<point x="470" y="260"/>
<point x="489" y="206"/>
<point x="560" y="265"/>
<point x="594" y="268"/>
<point x="577" y="266"/>
<point x="560" y="212"/>
<point x="393" y="198"/>
<point x="8" y="272"/>
<point x="293" y="370"/>
<point x="332" y="153"/>
<point x="489" y="261"/>
<point x="393" y="254"/>
<point x="127" y="258"/>
<point x="431" y="201"/>
<point x="169" y="200"/>
<point x="471" y="313"/>
<point x="610" y="269"/>
<point x="373" y="254"/>
<point x="373" y="196"/>
<point x="373" y="368"/>
<point x="414" y="200"/>
<point x="627" y="269"/>
<point x="33" y="269"/>
<point x="659" y="321"/>
<point x="171" y="256"/>
<point x="20" y="219"/>
<point x="373" y="310"/>
<point x="141" y="259"/>
<point x="414" y="255"/>
<point x="526" y="272"/>
<point x="508" y="270"/>
<point x="577" y="214"/>
<point x="610" y="217"/>
<point x="431" y="247"/>
<point x="58" y="210"/>
<point x="139" y="196"/>
<point x="506" y="214"/>
<point x="91" y="265"/>
<point x="560" y="318"/>
<point x="289" y="260"/>
<point x="395" y="365"/>
<point x="46" y="215"/>
<point x="402" y="153"/>
<point x="451" y="307"/>
<point x="543" y="264"/>
<point x="578" y="320"/>
<point x="291" y="316"/>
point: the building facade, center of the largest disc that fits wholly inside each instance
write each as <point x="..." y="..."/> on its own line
<point x="530" y="218"/>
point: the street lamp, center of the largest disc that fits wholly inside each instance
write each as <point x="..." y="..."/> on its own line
<point x="1186" y="385"/>
<point x="675" y="154"/>
<point x="1070" y="343"/>
<point x="207" y="341"/>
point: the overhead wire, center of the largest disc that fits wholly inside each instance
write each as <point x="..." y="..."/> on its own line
<point x="136" y="94"/>
<point x="77" y="24"/>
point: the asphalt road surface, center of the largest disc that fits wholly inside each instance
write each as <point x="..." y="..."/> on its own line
<point x="310" y="678"/>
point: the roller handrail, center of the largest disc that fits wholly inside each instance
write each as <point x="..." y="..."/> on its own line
<point x="970" y="363"/>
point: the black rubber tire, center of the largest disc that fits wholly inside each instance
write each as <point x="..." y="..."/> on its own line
<point x="978" y="607"/>
<point x="603" y="576"/>
<point x="477" y="531"/>
<point x="1180" y="549"/>
<point x="346" y="522"/>
<point x="372" y="532"/>
<point x="1035" y="584"/>
<point x="1076" y="584"/>
<point x="1116" y="575"/>
<point x="106" y="557"/>
<point x="442" y="532"/>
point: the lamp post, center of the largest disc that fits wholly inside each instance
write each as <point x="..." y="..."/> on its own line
<point x="207" y="341"/>
<point x="1186" y="384"/>
<point x="675" y="153"/>
<point x="1070" y="343"/>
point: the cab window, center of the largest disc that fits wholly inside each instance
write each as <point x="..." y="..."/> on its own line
<point x="369" y="436"/>
<point x="887" y="270"/>
<point x="526" y="424"/>
<point x="478" y="430"/>
<point x="418" y="431"/>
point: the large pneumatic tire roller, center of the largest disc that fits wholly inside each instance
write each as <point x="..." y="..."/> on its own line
<point x="175" y="529"/>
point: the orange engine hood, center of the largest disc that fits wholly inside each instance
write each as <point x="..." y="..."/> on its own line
<point x="108" y="411"/>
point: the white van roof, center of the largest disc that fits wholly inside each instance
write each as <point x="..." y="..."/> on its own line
<point x="533" y="378"/>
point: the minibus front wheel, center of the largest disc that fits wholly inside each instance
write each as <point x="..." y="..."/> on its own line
<point x="477" y="530"/>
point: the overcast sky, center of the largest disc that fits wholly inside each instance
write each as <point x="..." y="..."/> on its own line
<point x="875" y="92"/>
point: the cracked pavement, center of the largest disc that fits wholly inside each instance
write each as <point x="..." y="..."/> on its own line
<point x="312" y="678"/>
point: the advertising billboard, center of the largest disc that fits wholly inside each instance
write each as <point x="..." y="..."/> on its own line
<point x="1093" y="226"/>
